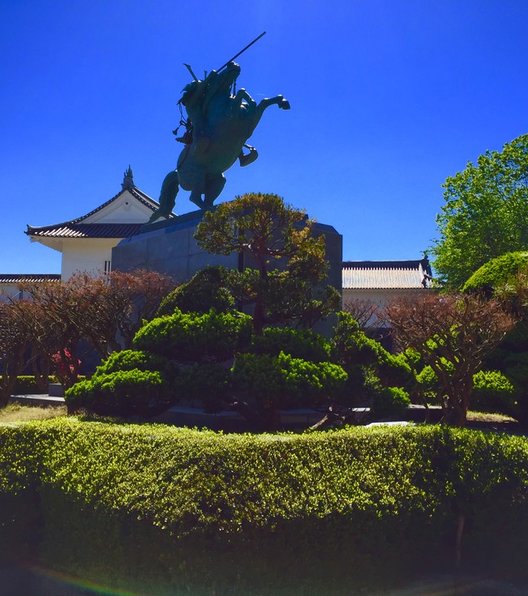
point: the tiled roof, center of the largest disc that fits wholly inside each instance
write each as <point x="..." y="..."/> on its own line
<point x="15" y="278"/>
<point x="75" y="228"/>
<point x="80" y="230"/>
<point x="386" y="274"/>
<point x="135" y="192"/>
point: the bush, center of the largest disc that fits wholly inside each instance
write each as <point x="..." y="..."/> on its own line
<point x="28" y="384"/>
<point x="136" y="359"/>
<point x="206" y="384"/>
<point x="372" y="489"/>
<point x="206" y="290"/>
<point x="121" y="393"/>
<point x="389" y="402"/>
<point x="493" y="392"/>
<point x="195" y="338"/>
<point x="496" y="272"/>
<point x="305" y="344"/>
<point x="285" y="382"/>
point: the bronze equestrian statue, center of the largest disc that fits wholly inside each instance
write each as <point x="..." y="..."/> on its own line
<point x="218" y="125"/>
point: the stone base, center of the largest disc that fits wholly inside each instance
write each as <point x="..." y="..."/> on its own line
<point x="169" y="247"/>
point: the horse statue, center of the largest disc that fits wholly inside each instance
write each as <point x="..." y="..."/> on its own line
<point x="218" y="125"/>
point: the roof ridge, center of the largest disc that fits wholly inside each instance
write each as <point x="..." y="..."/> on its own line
<point x="141" y="196"/>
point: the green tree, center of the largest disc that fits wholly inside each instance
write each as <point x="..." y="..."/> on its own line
<point x="286" y="260"/>
<point x="485" y="212"/>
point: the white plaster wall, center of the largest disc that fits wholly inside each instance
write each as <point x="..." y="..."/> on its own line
<point x="86" y="255"/>
<point x="379" y="297"/>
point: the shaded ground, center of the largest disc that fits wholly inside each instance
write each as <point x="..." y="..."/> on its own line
<point x="16" y="413"/>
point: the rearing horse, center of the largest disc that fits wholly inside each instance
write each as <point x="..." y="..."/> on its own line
<point x="220" y="125"/>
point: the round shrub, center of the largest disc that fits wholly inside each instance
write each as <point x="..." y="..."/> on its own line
<point x="283" y="381"/>
<point x="496" y="272"/>
<point x="192" y="337"/>
<point x="390" y="402"/>
<point x="206" y="290"/>
<point x="122" y="393"/>
<point x="493" y="392"/>
<point x="305" y="344"/>
<point x="134" y="359"/>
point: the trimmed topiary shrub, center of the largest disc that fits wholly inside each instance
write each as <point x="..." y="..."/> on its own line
<point x="358" y="490"/>
<point x="389" y="403"/>
<point x="206" y="290"/>
<point x="191" y="337"/>
<point x="203" y="384"/>
<point x="496" y="272"/>
<point x="285" y="382"/>
<point x="493" y="392"/>
<point x="304" y="344"/>
<point x="120" y="393"/>
<point x="134" y="359"/>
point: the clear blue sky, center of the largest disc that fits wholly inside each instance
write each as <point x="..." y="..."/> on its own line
<point x="389" y="97"/>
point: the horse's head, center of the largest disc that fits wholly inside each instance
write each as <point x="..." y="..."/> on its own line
<point x="221" y="82"/>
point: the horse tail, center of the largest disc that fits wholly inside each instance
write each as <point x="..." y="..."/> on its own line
<point x="167" y="199"/>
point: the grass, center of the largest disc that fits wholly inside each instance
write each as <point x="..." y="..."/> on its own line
<point x="15" y="413"/>
<point x="488" y="417"/>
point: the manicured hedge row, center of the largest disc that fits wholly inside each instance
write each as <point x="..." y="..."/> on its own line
<point x="27" y="384"/>
<point x="408" y="483"/>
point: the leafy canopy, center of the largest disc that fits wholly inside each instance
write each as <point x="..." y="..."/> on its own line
<point x="485" y="212"/>
<point x="285" y="261"/>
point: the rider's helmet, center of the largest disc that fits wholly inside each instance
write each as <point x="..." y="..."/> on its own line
<point x="188" y="91"/>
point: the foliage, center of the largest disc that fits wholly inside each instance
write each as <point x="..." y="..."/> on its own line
<point x="103" y="310"/>
<point x="190" y="337"/>
<point x="29" y="384"/>
<point x="371" y="369"/>
<point x="496" y="272"/>
<point x="485" y="213"/>
<point x="272" y="236"/>
<point x="389" y="402"/>
<point x="305" y="344"/>
<point x="121" y="393"/>
<point x="494" y="392"/>
<point x="205" y="384"/>
<point x="360" y="489"/>
<point x="207" y="289"/>
<point x="283" y="381"/>
<point x="453" y="335"/>
<point x="16" y="348"/>
<point x="134" y="359"/>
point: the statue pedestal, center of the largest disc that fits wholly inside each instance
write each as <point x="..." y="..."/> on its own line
<point x="169" y="247"/>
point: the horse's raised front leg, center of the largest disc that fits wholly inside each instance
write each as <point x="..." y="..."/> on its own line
<point x="278" y="100"/>
<point x="243" y="95"/>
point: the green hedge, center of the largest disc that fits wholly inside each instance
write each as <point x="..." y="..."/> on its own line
<point x="27" y="384"/>
<point x="260" y="510"/>
<point x="189" y="481"/>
